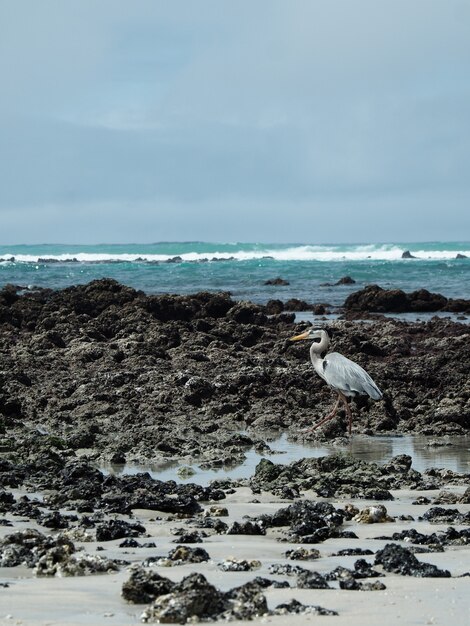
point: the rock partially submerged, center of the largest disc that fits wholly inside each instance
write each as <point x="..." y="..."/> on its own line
<point x="277" y="281"/>
<point x="344" y="280"/>
<point x="338" y="475"/>
<point x="376" y="299"/>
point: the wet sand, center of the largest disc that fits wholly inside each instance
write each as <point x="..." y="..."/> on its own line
<point x="406" y="599"/>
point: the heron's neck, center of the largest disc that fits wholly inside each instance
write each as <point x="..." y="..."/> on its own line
<point x="317" y="349"/>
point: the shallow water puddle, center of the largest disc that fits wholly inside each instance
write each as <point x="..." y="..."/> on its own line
<point x="452" y="453"/>
<point x="309" y="316"/>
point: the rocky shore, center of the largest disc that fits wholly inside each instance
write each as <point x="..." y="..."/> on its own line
<point x="105" y="368"/>
<point x="102" y="373"/>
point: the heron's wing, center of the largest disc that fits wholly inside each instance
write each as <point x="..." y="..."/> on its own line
<point x="345" y="375"/>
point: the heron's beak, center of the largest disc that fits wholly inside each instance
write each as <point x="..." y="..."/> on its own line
<point x="299" y="337"/>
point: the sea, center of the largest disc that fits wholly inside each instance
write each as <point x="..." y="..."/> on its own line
<point x="311" y="270"/>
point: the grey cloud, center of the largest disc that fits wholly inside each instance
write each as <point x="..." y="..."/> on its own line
<point x="207" y="108"/>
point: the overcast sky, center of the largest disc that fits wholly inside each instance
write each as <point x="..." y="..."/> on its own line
<point x="260" y="120"/>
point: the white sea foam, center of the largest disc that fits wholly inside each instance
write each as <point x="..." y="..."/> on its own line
<point x="295" y="253"/>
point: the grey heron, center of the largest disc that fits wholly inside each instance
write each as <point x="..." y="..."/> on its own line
<point x="346" y="377"/>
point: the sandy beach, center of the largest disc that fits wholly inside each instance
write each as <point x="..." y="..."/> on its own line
<point x="407" y="599"/>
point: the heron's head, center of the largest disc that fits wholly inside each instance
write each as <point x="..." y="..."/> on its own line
<point x="310" y="333"/>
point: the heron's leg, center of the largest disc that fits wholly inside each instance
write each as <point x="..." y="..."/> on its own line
<point x="347" y="407"/>
<point x="330" y="415"/>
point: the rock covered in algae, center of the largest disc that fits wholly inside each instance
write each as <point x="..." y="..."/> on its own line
<point x="185" y="471"/>
<point x="376" y="514"/>
<point x="239" y="565"/>
<point x="188" y="555"/>
<point x="303" y="554"/>
<point x="216" y="511"/>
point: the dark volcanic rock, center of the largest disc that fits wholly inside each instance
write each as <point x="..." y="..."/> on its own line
<point x="246" y="528"/>
<point x="440" y="515"/>
<point x="27" y="547"/>
<point x="399" y="560"/>
<point x="407" y="255"/>
<point x="193" y="597"/>
<point x="56" y="520"/>
<point x="296" y="607"/>
<point x="375" y="299"/>
<point x="354" y="585"/>
<point x="335" y="475"/>
<point x="363" y="569"/>
<point x="303" y="554"/>
<point x="308" y="521"/>
<point x="345" y="280"/>
<point x="50" y="556"/>
<point x="451" y="536"/>
<point x="143" y="586"/>
<point x="274" y="307"/>
<point x="311" y="580"/>
<point x="276" y="281"/>
<point x="294" y="304"/>
<point x="188" y="537"/>
<point x="118" y="529"/>
<point x="135" y="377"/>
<point x="188" y="554"/>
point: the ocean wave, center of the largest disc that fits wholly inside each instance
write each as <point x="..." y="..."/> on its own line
<point x="294" y="253"/>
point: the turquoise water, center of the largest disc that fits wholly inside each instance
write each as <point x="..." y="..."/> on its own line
<point x="242" y="269"/>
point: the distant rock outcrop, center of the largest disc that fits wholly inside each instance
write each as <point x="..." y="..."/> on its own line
<point x="375" y="299"/>
<point x="407" y="255"/>
<point x="345" y="280"/>
<point x="276" y="281"/>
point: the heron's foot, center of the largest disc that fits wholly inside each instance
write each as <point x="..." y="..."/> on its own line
<point x="311" y="428"/>
<point x="327" y="418"/>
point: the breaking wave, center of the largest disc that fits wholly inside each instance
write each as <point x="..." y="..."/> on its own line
<point x="186" y="252"/>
